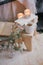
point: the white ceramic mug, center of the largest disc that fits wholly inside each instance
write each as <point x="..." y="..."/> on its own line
<point x="30" y="29"/>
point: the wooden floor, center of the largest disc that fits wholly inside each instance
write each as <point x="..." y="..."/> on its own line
<point x="35" y="57"/>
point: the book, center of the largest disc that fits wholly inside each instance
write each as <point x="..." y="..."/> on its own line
<point x="5" y="28"/>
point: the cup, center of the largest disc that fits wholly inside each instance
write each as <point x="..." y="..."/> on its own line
<point x="30" y="28"/>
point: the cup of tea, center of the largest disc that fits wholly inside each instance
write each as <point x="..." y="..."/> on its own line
<point x="29" y="28"/>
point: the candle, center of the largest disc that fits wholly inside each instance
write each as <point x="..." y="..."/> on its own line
<point x="20" y="15"/>
<point x="27" y="12"/>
